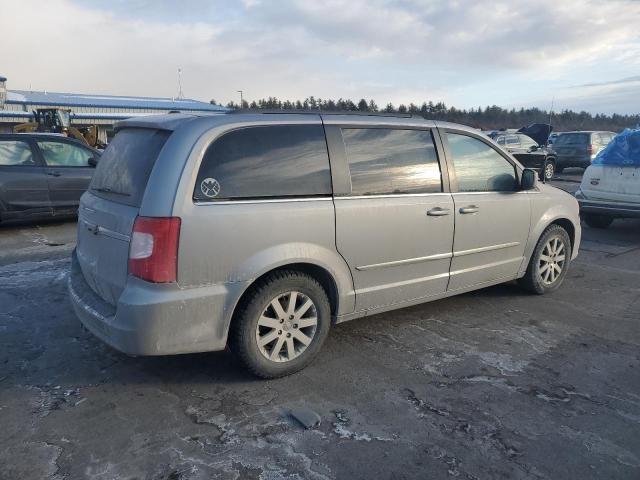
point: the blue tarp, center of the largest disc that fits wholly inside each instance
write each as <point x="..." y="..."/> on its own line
<point x="623" y="150"/>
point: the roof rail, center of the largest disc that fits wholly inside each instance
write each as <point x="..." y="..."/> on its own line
<point x="321" y="112"/>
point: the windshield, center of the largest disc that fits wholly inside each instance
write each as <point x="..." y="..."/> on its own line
<point x="65" y="118"/>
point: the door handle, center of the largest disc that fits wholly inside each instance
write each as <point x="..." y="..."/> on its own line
<point x="438" y="212"/>
<point x="54" y="174"/>
<point x="469" y="209"/>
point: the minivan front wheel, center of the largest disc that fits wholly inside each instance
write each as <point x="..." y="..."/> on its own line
<point x="282" y="325"/>
<point x="549" y="262"/>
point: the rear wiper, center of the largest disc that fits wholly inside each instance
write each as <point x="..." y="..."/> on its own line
<point x="108" y="190"/>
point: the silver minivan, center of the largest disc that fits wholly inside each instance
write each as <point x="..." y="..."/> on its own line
<point x="260" y="230"/>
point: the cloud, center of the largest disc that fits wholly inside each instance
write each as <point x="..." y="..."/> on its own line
<point x="633" y="79"/>
<point x="401" y="51"/>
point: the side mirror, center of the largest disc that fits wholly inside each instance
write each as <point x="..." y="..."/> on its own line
<point x="534" y="148"/>
<point x="92" y="161"/>
<point x="529" y="179"/>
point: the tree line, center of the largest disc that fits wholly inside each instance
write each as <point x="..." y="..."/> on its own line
<point x="487" y="118"/>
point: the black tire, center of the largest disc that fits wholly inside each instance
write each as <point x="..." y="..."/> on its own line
<point x="243" y="337"/>
<point x="598" y="221"/>
<point x="533" y="280"/>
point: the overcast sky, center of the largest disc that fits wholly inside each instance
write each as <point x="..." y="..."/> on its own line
<point x="472" y="53"/>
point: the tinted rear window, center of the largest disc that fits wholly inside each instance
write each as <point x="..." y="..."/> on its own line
<point x="573" y="139"/>
<point x="124" y="168"/>
<point x="265" y="162"/>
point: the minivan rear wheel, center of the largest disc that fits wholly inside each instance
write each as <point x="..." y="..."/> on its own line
<point x="549" y="262"/>
<point x="281" y="325"/>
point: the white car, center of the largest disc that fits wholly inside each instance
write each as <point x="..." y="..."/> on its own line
<point x="608" y="192"/>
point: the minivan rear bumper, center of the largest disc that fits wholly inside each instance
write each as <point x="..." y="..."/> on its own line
<point x="153" y="319"/>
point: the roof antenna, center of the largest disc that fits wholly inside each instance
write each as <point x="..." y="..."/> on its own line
<point x="180" y="93"/>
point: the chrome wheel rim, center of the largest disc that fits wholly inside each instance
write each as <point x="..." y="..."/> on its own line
<point x="552" y="260"/>
<point x="549" y="170"/>
<point x="287" y="326"/>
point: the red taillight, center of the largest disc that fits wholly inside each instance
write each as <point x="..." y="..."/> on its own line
<point x="590" y="149"/>
<point x="153" y="252"/>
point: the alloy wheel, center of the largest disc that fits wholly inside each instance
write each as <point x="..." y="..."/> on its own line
<point x="552" y="260"/>
<point x="287" y="326"/>
<point x="549" y="170"/>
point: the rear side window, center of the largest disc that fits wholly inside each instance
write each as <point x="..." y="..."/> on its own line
<point x="391" y="161"/>
<point x="15" y="152"/>
<point x="573" y="139"/>
<point x="265" y="162"/>
<point x="124" y="168"/>
<point x="513" y="140"/>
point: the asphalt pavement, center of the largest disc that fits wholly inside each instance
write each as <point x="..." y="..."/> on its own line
<point x="492" y="384"/>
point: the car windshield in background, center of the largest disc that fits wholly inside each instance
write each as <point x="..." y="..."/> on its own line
<point x="125" y="166"/>
<point x="573" y="139"/>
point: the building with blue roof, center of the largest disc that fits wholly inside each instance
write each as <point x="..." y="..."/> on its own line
<point x="16" y="106"/>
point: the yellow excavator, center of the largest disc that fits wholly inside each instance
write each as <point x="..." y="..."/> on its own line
<point x="58" y="120"/>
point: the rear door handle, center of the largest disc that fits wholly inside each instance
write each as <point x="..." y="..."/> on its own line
<point x="469" y="209"/>
<point x="438" y="212"/>
<point x="54" y="174"/>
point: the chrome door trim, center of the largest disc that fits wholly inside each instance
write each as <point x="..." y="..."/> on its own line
<point x="490" y="248"/>
<point x="407" y="261"/>
<point x="204" y="203"/>
<point x="390" y="195"/>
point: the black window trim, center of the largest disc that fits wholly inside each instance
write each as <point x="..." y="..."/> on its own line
<point x="449" y="158"/>
<point x="260" y="199"/>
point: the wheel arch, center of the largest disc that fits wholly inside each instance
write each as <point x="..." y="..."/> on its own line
<point x="315" y="271"/>
<point x="568" y="226"/>
<point x="560" y="219"/>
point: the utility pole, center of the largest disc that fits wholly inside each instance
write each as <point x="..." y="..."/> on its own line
<point x="180" y="93"/>
<point x="241" y="101"/>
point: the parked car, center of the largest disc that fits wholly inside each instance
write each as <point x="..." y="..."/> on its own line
<point x="610" y="187"/>
<point x="553" y="137"/>
<point x="528" y="152"/>
<point x="43" y="175"/>
<point x="578" y="149"/>
<point x="261" y="231"/>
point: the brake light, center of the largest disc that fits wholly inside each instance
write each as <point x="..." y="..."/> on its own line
<point x="153" y="252"/>
<point x="590" y="149"/>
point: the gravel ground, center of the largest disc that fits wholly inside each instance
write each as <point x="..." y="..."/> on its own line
<point x="491" y="384"/>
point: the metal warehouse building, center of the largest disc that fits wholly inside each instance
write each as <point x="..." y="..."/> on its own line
<point x="16" y="107"/>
